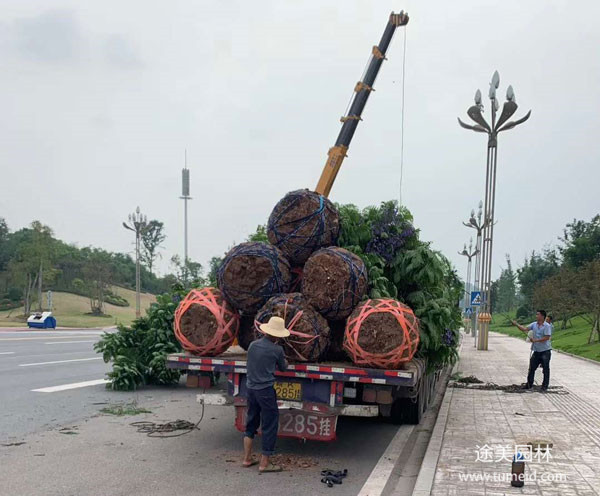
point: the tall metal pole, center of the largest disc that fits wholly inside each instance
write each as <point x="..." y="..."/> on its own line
<point x="138" y="224"/>
<point x="481" y="126"/>
<point x="478" y="224"/>
<point x="185" y="196"/>
<point x="469" y="254"/>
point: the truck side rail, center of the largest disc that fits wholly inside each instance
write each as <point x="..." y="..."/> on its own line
<point x="332" y="372"/>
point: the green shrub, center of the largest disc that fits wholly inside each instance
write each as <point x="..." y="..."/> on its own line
<point x="138" y="352"/>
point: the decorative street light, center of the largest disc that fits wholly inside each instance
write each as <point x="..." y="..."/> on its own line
<point x="478" y="224"/>
<point x="481" y="126"/>
<point x="138" y="224"/>
<point x="469" y="254"/>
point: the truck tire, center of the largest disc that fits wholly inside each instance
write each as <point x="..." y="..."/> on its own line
<point x="407" y="411"/>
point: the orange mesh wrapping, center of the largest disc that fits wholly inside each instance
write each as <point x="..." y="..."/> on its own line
<point x="211" y="331"/>
<point x="391" y="344"/>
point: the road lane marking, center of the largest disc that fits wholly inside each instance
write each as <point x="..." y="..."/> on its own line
<point x="7" y="353"/>
<point x="71" y="342"/>
<point x="380" y="475"/>
<point x="74" y="385"/>
<point x="59" y="361"/>
<point x="47" y="337"/>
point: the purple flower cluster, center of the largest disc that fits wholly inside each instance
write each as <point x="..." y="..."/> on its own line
<point x="448" y="338"/>
<point x="389" y="234"/>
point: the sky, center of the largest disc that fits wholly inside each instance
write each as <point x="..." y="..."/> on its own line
<point x="99" y="100"/>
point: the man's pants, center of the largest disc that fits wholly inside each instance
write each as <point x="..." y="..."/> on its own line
<point x="539" y="358"/>
<point x="262" y="406"/>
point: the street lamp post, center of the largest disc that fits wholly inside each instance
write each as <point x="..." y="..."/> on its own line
<point x="481" y="126"/>
<point x="478" y="224"/>
<point x="137" y="223"/>
<point x="469" y="254"/>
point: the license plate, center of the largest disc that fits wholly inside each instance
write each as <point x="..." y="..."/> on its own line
<point x="288" y="390"/>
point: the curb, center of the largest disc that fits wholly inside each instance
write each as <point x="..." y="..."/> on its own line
<point x="425" y="479"/>
<point x="595" y="362"/>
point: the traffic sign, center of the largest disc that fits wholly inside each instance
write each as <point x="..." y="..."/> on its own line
<point x="475" y="298"/>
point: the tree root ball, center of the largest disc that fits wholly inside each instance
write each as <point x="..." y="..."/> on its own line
<point x="381" y="333"/>
<point x="251" y="273"/>
<point x="205" y="324"/>
<point x="301" y="223"/>
<point x="309" y="332"/>
<point x="334" y="281"/>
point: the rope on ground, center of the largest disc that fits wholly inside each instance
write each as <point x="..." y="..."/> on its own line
<point x="154" y="429"/>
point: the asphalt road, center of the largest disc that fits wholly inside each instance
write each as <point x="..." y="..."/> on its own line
<point x="31" y="360"/>
<point x="31" y="440"/>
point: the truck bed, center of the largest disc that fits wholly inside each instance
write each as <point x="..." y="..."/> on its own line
<point x="234" y="360"/>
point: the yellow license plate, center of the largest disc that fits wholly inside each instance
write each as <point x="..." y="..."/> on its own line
<point x="288" y="390"/>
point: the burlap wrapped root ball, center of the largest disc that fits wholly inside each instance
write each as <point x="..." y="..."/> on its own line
<point x="309" y="331"/>
<point x="251" y="273"/>
<point x="381" y="333"/>
<point x="302" y="222"/>
<point x="334" y="281"/>
<point x="205" y="324"/>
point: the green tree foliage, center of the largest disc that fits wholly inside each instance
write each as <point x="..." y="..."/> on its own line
<point x="98" y="274"/>
<point x="138" y="353"/>
<point x="403" y="267"/>
<point x="152" y="238"/>
<point x="535" y="269"/>
<point x="506" y="289"/>
<point x="260" y="234"/>
<point x="187" y="271"/>
<point x="581" y="242"/>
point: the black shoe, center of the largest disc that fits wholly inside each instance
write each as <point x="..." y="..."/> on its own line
<point x="544" y="389"/>
<point x="526" y="386"/>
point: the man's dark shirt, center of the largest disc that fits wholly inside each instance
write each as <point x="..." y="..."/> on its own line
<point x="263" y="357"/>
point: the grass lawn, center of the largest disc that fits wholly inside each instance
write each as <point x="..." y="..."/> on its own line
<point x="572" y="339"/>
<point x="70" y="311"/>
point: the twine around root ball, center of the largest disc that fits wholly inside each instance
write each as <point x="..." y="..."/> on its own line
<point x="222" y="318"/>
<point x="302" y="222"/>
<point x="334" y="281"/>
<point x="309" y="331"/>
<point x="251" y="273"/>
<point x="407" y="336"/>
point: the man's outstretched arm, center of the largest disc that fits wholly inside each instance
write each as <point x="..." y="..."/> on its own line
<point x="520" y="327"/>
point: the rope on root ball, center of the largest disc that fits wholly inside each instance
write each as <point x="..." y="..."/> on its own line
<point x="390" y="356"/>
<point x="309" y="332"/>
<point x="303" y="221"/>
<point x="221" y="315"/>
<point x="246" y="281"/>
<point x="331" y="300"/>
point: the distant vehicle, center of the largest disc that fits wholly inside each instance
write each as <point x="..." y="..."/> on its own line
<point x="41" y="320"/>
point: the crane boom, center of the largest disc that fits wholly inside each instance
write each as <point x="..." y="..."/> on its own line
<point x="362" y="90"/>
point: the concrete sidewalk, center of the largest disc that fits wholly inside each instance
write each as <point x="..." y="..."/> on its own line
<point x="483" y="427"/>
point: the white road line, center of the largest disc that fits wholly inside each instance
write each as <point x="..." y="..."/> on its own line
<point x="7" y="353"/>
<point x="71" y="342"/>
<point x="75" y="385"/>
<point x="47" y="337"/>
<point x="380" y="475"/>
<point x="59" y="361"/>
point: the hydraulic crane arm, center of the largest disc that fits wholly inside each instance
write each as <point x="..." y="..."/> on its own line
<point x="362" y="90"/>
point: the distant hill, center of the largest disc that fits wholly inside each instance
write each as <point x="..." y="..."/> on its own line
<point x="70" y="310"/>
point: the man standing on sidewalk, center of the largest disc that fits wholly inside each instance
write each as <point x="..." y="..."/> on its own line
<point x="264" y="356"/>
<point x="542" y="334"/>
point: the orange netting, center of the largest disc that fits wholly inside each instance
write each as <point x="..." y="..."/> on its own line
<point x="407" y="335"/>
<point x="227" y="320"/>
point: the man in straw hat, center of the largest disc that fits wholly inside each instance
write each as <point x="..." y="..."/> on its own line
<point x="264" y="356"/>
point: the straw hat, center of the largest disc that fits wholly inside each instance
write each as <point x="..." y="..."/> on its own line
<point x="275" y="327"/>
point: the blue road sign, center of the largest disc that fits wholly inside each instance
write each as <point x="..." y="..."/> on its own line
<point x="469" y="312"/>
<point x="475" y="298"/>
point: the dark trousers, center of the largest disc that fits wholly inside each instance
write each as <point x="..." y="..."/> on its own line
<point x="263" y="411"/>
<point x="539" y="358"/>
